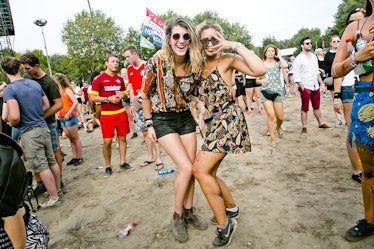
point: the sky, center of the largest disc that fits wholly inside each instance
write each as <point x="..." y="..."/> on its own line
<point x="279" y="18"/>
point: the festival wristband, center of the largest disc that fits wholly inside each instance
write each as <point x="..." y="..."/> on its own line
<point x="337" y="95"/>
<point x="149" y="123"/>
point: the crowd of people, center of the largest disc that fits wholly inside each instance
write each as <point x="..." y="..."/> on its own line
<point x="159" y="98"/>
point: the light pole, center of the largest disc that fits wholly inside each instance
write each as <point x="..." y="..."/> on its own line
<point x="41" y="23"/>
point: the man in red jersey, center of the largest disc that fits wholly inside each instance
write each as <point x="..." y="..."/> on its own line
<point x="109" y="89"/>
<point x="135" y="72"/>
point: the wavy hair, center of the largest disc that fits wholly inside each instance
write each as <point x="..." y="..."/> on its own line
<point x="194" y="57"/>
<point x="62" y="81"/>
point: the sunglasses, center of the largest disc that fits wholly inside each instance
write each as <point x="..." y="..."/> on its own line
<point x="177" y="36"/>
<point x="205" y="42"/>
<point x="308" y="43"/>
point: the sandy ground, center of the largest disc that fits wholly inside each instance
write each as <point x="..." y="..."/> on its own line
<point x="298" y="195"/>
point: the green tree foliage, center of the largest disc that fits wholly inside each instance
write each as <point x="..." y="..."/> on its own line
<point x="340" y="17"/>
<point x="90" y="38"/>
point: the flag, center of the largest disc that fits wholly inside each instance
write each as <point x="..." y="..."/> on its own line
<point x="154" y="26"/>
<point x="145" y="43"/>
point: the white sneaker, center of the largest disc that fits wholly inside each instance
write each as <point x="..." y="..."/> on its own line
<point x="50" y="203"/>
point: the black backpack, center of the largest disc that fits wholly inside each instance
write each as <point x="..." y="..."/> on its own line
<point x="15" y="180"/>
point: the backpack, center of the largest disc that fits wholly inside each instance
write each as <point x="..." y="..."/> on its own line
<point x="15" y="180"/>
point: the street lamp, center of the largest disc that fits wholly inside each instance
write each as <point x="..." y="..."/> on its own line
<point x="41" y="23"/>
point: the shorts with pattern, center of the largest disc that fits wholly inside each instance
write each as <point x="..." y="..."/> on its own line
<point x="362" y="119"/>
<point x="140" y="120"/>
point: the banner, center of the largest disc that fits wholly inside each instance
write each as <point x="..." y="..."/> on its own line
<point x="154" y="26"/>
<point x="145" y="43"/>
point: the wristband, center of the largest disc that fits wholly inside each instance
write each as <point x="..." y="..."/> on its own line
<point x="149" y="123"/>
<point x="337" y="95"/>
<point x="235" y="45"/>
<point x="336" y="101"/>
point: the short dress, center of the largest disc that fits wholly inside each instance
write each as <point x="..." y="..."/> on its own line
<point x="362" y="117"/>
<point x="227" y="130"/>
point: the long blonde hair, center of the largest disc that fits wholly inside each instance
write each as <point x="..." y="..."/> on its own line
<point x="62" y="81"/>
<point x="194" y="57"/>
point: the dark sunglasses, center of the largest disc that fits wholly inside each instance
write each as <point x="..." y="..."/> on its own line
<point x="205" y="42"/>
<point x="177" y="36"/>
<point x="308" y="43"/>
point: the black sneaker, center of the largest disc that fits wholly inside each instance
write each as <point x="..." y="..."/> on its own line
<point x="108" y="172"/>
<point x="360" y="231"/>
<point x="126" y="166"/>
<point x="78" y="161"/>
<point x="229" y="214"/>
<point x="134" y="135"/>
<point x="224" y="236"/>
<point x="40" y="188"/>
<point x="357" y="177"/>
<point x="71" y="162"/>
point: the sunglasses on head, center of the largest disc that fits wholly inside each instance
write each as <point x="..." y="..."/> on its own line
<point x="205" y="42"/>
<point x="177" y="36"/>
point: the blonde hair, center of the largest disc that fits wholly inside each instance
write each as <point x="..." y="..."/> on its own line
<point x="194" y="57"/>
<point x="62" y="81"/>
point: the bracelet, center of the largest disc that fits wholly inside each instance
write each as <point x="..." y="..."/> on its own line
<point x="235" y="45"/>
<point x="337" y="95"/>
<point x="336" y="101"/>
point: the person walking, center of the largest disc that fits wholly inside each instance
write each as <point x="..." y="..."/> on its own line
<point x="308" y="78"/>
<point x="227" y="130"/>
<point x="109" y="89"/>
<point x="272" y="90"/>
<point x="361" y="130"/>
<point x="169" y="79"/>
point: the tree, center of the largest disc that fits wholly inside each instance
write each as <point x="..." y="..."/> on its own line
<point x="90" y="38"/>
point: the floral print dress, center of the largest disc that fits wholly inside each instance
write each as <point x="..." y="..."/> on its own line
<point x="227" y="130"/>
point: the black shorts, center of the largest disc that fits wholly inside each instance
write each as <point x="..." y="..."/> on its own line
<point x="79" y="100"/>
<point x="240" y="90"/>
<point x="249" y="83"/>
<point x="181" y="123"/>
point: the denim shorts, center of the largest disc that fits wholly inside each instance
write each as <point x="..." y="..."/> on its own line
<point x="53" y="130"/>
<point x="166" y="123"/>
<point x="347" y="94"/>
<point x="67" y="123"/>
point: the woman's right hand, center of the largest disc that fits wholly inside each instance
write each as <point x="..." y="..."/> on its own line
<point x="152" y="134"/>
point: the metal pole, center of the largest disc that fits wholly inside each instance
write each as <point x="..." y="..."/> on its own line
<point x="46" y="52"/>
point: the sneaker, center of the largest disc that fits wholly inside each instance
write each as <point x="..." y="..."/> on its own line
<point x="196" y="220"/>
<point x="126" y="166"/>
<point x="134" y="135"/>
<point x="50" y="203"/>
<point x="60" y="193"/>
<point x="224" y="236"/>
<point x="71" y="162"/>
<point x="228" y="213"/>
<point x="179" y="228"/>
<point x="360" y="231"/>
<point x="108" y="172"/>
<point x="357" y="177"/>
<point x="338" y="123"/>
<point x="78" y="161"/>
<point x="40" y="188"/>
<point x="304" y="131"/>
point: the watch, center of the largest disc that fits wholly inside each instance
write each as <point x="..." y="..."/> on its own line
<point x="106" y="100"/>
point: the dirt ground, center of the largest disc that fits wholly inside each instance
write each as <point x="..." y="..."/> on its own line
<point x="298" y="195"/>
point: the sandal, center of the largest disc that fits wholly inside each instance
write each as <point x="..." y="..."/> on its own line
<point x="146" y="163"/>
<point x="159" y="166"/>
